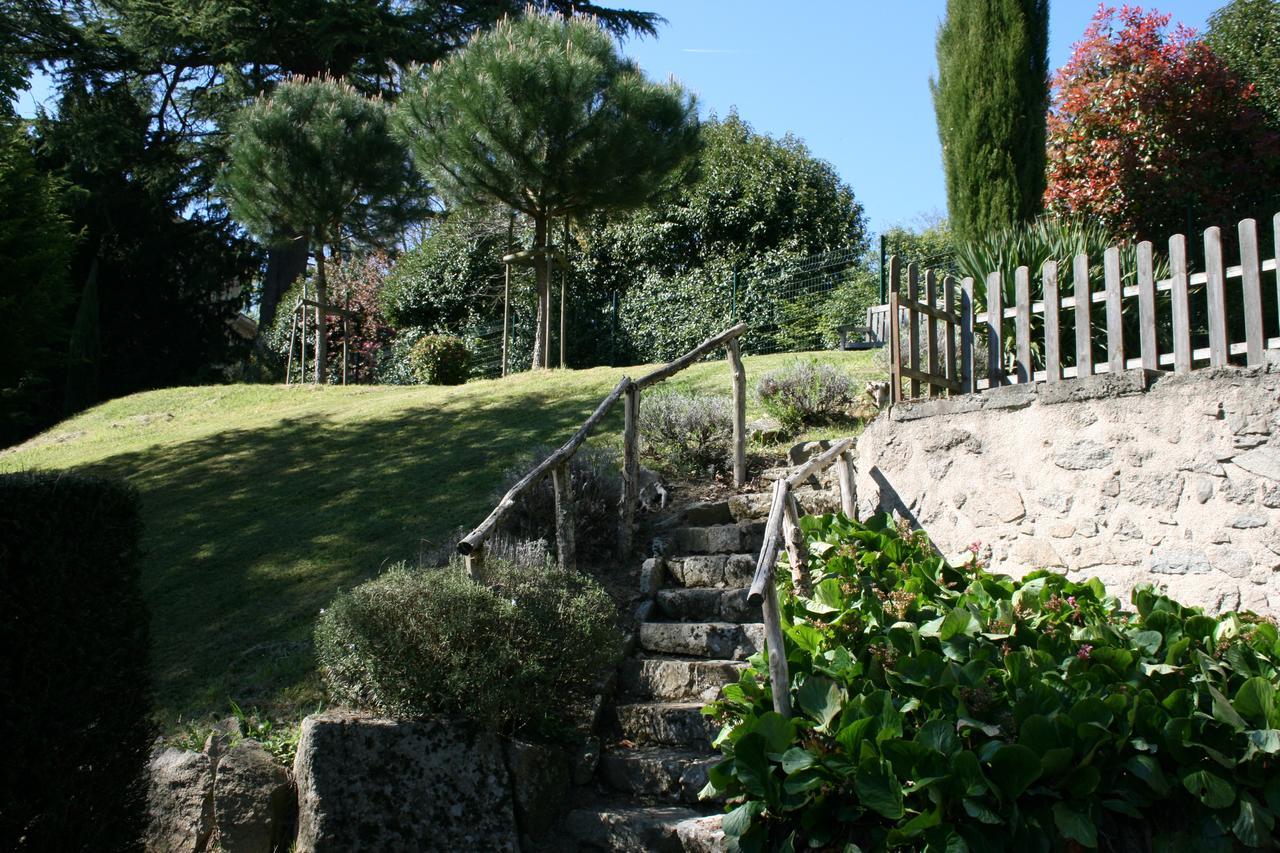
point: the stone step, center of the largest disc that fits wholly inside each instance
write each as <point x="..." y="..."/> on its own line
<point x="718" y="640"/>
<point x="812" y="502"/>
<point x="702" y="604"/>
<point x="666" y="724"/>
<point x="825" y="480"/>
<point x="711" y="570"/>
<point x="657" y="773"/>
<point x="631" y="828"/>
<point x="717" y="538"/>
<point x="675" y="679"/>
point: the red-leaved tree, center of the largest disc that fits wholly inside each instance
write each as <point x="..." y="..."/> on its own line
<point x="1149" y="129"/>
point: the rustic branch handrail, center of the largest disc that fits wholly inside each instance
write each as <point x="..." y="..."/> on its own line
<point x="475" y="539"/>
<point x="691" y="356"/>
<point x="472" y="545"/>
<point x="764" y="592"/>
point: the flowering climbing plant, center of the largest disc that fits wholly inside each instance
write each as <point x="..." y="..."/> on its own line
<point x="945" y="707"/>
<point x="1148" y="128"/>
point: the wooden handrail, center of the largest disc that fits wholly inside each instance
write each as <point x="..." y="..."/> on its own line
<point x="784" y="521"/>
<point x="475" y="539"/>
<point x="691" y="356"/>
<point x="472" y="545"/>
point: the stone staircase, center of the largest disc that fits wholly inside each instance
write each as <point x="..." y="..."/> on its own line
<point x="695" y="632"/>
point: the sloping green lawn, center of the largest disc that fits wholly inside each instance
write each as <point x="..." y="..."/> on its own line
<point x="261" y="502"/>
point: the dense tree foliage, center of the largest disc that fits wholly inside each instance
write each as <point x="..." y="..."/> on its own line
<point x="542" y="115"/>
<point x="990" y="98"/>
<point x="309" y="163"/>
<point x="1150" y="130"/>
<point x="1246" y="34"/>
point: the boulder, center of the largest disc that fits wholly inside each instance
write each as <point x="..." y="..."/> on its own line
<point x="180" y="802"/>
<point x="253" y="802"/>
<point x="368" y="783"/>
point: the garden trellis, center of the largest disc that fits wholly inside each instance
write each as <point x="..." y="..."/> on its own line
<point x="1065" y="329"/>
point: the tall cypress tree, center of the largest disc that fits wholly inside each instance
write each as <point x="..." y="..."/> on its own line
<point x="991" y="96"/>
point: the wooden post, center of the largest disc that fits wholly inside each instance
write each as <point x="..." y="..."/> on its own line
<point x="564" y="285"/>
<point x="474" y="563"/>
<point x="566" y="544"/>
<point x="1084" y="329"/>
<point x="968" y="348"/>
<point x="293" y="332"/>
<point x="302" y="363"/>
<point x="630" y="469"/>
<point x="1022" y="323"/>
<point x="1251" y="280"/>
<point x="345" y="327"/>
<point x="931" y="327"/>
<point x="1115" y="310"/>
<point x="778" y="671"/>
<point x="739" y="413"/>
<point x="995" y="322"/>
<point x="949" y="306"/>
<point x="895" y="333"/>
<point x="797" y="550"/>
<point x="1180" y="303"/>
<point x="1216" y="291"/>
<point x="1052" y="333"/>
<point x="913" y="327"/>
<point x="1147" y="307"/>
<point x="506" y="292"/>
<point x="848" y="497"/>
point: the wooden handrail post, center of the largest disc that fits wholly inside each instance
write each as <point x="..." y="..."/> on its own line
<point x="797" y="550"/>
<point x="779" y="675"/>
<point x="630" y="468"/>
<point x="844" y="473"/>
<point x="474" y="563"/>
<point x="739" y="413"/>
<point x="566" y="544"/>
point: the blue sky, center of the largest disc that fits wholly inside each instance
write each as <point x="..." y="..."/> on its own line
<point x="850" y="77"/>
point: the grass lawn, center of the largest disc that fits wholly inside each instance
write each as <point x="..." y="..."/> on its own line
<point x="261" y="502"/>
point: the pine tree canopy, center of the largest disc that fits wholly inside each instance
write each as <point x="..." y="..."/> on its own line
<point x="990" y="97"/>
<point x="542" y="114"/>
<point x="309" y="159"/>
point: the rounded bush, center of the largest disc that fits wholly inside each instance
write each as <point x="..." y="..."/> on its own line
<point x="440" y="360"/>
<point x="807" y="394"/>
<point x="522" y="653"/>
<point x="686" y="433"/>
<point x="596" y="483"/>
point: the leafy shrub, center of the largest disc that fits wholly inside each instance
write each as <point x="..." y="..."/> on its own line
<point x="519" y="654"/>
<point x="685" y="432"/>
<point x="74" y="682"/>
<point x="596" y="482"/>
<point x="944" y="708"/>
<point x="806" y="394"/>
<point x="439" y="360"/>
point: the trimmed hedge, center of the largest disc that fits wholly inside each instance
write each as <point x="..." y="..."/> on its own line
<point x="74" y="682"/>
<point x="523" y="652"/>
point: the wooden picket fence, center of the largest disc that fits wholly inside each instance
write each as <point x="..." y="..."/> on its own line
<point x="951" y="348"/>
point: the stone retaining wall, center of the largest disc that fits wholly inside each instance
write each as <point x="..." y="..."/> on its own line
<point x="1136" y="477"/>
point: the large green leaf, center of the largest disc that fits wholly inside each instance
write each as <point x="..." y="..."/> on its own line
<point x="1148" y="770"/>
<point x="1075" y="826"/>
<point x="1253" y="823"/>
<point x="1013" y="768"/>
<point x="777" y="731"/>
<point x="958" y="622"/>
<point x="737" y="822"/>
<point x="822" y="699"/>
<point x="1255" y="700"/>
<point x="878" y="789"/>
<point x="1212" y="790"/>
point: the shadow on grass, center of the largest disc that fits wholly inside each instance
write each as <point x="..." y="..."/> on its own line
<point x="249" y="533"/>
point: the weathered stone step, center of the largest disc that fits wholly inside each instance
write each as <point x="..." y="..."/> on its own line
<point x="666" y="724"/>
<point x="675" y="679"/>
<point x="712" y="570"/>
<point x="629" y="828"/>
<point x="812" y="502"/>
<point x="658" y="773"/>
<point x="718" y="640"/>
<point x="718" y="538"/>
<point x="706" y="605"/>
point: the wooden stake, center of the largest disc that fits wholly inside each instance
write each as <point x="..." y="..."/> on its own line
<point x="848" y="497"/>
<point x="566" y="544"/>
<point x="739" y="413"/>
<point x="564" y="285"/>
<point x="797" y="550"/>
<point x="474" y="563"/>
<point x="293" y="332"/>
<point x="630" y="468"/>
<point x="506" y="294"/>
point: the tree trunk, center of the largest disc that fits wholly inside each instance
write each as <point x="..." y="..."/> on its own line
<point x="543" y="275"/>
<point x="284" y="265"/>
<point x="322" y="332"/>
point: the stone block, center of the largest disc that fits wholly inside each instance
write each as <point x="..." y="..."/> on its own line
<point x="367" y="783"/>
<point x="1082" y="454"/>
<point x="1263" y="461"/>
<point x="253" y="801"/>
<point x="1179" y="563"/>
<point x="539" y="783"/>
<point x="1097" y="387"/>
<point x="179" y="802"/>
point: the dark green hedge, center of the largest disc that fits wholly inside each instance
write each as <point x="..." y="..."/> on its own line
<point x="75" y="728"/>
